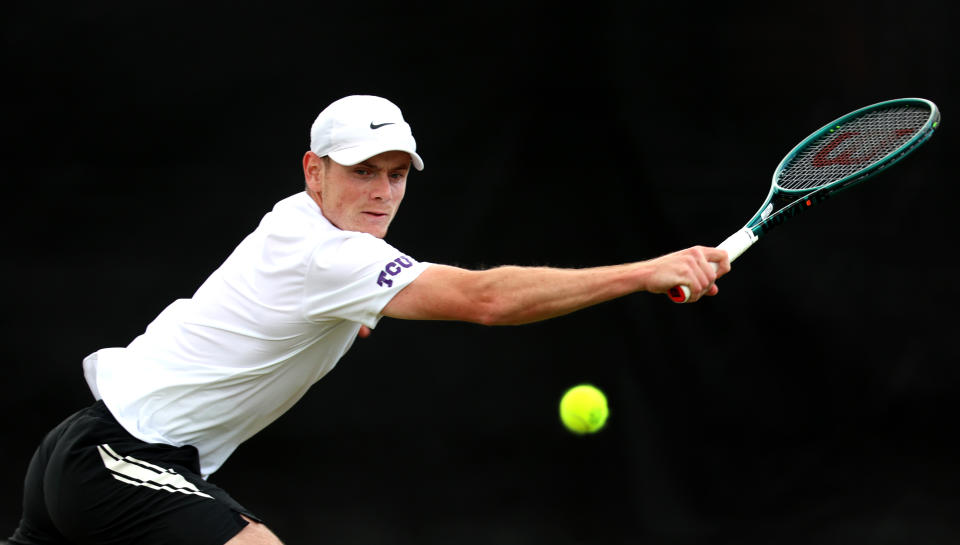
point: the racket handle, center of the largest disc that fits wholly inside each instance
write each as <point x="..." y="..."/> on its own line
<point x="735" y="245"/>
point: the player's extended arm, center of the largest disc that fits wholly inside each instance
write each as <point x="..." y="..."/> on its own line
<point x="517" y="295"/>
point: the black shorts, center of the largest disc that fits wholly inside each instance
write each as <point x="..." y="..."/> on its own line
<point x="92" y="482"/>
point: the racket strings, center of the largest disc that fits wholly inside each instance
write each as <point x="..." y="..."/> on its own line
<point x="853" y="146"/>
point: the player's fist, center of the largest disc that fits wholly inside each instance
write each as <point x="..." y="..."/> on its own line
<point x="696" y="269"/>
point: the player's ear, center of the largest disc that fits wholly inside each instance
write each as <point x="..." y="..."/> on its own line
<point x="313" y="170"/>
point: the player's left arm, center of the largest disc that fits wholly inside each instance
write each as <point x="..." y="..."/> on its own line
<point x="513" y="295"/>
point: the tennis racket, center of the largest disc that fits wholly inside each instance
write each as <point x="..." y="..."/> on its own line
<point x="843" y="153"/>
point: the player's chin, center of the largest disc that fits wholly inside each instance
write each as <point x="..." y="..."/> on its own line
<point x="376" y="224"/>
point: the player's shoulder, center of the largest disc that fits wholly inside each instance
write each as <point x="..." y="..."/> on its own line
<point x="296" y="216"/>
<point x="298" y="204"/>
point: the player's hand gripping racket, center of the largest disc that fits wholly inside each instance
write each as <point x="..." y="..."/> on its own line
<point x="843" y="153"/>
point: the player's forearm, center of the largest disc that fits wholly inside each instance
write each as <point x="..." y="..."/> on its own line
<point x="518" y="295"/>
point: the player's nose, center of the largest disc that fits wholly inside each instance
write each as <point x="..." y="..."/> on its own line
<point x="380" y="187"/>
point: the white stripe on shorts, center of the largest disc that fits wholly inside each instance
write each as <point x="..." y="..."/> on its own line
<point x="140" y="473"/>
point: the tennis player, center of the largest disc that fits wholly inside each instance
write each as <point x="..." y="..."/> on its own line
<point x="211" y="371"/>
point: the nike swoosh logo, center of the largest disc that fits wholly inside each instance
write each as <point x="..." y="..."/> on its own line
<point x="372" y="126"/>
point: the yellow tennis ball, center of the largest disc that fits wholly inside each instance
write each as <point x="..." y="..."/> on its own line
<point x="583" y="409"/>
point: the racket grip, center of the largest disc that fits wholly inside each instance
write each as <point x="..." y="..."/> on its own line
<point x="679" y="294"/>
<point x="734" y="245"/>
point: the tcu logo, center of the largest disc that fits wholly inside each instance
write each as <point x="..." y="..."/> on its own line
<point x="393" y="269"/>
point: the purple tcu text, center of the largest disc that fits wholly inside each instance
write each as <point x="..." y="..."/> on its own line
<point x="393" y="269"/>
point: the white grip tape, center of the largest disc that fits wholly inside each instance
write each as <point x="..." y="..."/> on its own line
<point x="735" y="245"/>
<point x="738" y="243"/>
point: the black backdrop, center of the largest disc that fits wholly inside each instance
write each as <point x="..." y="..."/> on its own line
<point x="813" y="401"/>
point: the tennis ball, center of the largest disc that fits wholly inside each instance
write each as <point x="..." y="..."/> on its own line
<point x="583" y="409"/>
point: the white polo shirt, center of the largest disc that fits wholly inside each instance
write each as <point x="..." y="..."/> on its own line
<point x="213" y="370"/>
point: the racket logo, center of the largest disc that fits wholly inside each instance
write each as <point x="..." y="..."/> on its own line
<point x="848" y="155"/>
<point x="766" y="212"/>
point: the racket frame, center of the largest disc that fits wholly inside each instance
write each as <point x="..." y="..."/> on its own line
<point x="800" y="199"/>
<point x="782" y="204"/>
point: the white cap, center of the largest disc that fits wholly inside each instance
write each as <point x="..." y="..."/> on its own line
<point x="357" y="127"/>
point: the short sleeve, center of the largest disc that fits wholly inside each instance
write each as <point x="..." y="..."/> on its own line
<point x="353" y="277"/>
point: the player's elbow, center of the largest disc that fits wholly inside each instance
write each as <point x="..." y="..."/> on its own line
<point x="489" y="312"/>
<point x="498" y="310"/>
<point x="489" y="308"/>
<point x="484" y="301"/>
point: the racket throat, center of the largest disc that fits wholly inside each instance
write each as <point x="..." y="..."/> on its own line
<point x="784" y="206"/>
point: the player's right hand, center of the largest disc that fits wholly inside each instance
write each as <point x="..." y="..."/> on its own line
<point x="697" y="267"/>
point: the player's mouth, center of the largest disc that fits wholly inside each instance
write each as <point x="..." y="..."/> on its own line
<point x="376" y="215"/>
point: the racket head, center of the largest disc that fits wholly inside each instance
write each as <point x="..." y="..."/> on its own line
<point x="843" y="153"/>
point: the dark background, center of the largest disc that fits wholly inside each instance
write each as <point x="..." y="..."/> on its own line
<point x="812" y="402"/>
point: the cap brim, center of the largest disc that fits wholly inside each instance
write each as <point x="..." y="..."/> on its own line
<point x="352" y="156"/>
